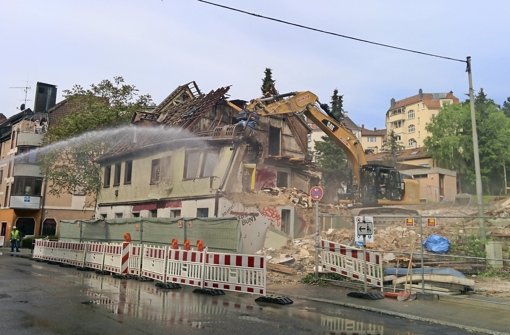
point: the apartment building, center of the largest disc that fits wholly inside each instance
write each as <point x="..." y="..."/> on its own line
<point x="408" y="117"/>
<point x="25" y="200"/>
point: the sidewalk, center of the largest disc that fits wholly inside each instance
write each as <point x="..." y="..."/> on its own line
<point x="474" y="313"/>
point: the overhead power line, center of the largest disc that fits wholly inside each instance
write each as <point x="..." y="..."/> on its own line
<point x="333" y="33"/>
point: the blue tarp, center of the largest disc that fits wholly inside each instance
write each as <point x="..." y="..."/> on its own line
<point x="437" y="244"/>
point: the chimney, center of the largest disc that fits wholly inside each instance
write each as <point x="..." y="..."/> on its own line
<point x="392" y="102"/>
<point x="420" y="93"/>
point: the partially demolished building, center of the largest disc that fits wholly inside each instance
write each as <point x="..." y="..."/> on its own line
<point x="200" y="155"/>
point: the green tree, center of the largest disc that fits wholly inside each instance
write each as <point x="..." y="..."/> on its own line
<point x="337" y="105"/>
<point x="268" y="87"/>
<point x="450" y="142"/>
<point x="72" y="167"/>
<point x="506" y="107"/>
<point x="336" y="173"/>
<point x="392" y="148"/>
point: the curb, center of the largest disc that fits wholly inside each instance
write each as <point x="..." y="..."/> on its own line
<point x="398" y="314"/>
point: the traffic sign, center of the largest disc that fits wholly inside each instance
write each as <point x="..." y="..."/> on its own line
<point x="364" y="229"/>
<point x="316" y="193"/>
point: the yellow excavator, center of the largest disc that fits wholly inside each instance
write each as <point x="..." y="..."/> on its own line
<point x="372" y="184"/>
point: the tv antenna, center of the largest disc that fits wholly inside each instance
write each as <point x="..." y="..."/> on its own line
<point x="25" y="88"/>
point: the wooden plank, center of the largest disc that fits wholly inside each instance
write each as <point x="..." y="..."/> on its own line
<point x="281" y="268"/>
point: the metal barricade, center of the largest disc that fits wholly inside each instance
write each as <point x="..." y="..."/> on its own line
<point x="71" y="253"/>
<point x="349" y="262"/>
<point x="233" y="272"/>
<point x="154" y="262"/>
<point x="135" y="259"/>
<point x="185" y="267"/>
<point x="94" y="255"/>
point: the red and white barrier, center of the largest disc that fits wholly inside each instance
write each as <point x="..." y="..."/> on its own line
<point x="185" y="267"/>
<point x="94" y="255"/>
<point x="116" y="257"/>
<point x="72" y="253"/>
<point x="233" y="272"/>
<point x="349" y="262"/>
<point x="154" y="262"/>
<point x="135" y="259"/>
<point x="212" y="270"/>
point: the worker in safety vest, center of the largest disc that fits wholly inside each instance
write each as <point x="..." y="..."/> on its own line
<point x="15" y="239"/>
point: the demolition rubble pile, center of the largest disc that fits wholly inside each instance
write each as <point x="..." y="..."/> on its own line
<point x="295" y="260"/>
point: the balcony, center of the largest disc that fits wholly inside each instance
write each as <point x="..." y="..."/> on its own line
<point x="28" y="170"/>
<point x="25" y="202"/>
<point x="29" y="139"/>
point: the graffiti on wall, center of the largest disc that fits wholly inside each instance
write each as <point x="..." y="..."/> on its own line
<point x="265" y="178"/>
<point x="273" y="215"/>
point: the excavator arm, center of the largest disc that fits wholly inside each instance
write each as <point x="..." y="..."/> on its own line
<point x="307" y="103"/>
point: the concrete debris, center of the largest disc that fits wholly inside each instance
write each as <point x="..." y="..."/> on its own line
<point x="396" y="240"/>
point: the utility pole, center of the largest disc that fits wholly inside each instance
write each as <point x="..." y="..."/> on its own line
<point x="475" y="151"/>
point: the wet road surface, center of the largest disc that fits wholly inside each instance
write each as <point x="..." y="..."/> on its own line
<point x="40" y="298"/>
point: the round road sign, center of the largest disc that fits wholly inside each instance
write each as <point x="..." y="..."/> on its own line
<point x="316" y="193"/>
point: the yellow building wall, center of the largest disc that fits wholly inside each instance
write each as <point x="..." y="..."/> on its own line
<point x="175" y="186"/>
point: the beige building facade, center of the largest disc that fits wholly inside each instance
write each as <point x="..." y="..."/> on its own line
<point x="408" y="117"/>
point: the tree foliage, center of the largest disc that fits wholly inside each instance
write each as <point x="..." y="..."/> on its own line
<point x="392" y="148"/>
<point x="72" y="147"/>
<point x="268" y="87"/>
<point x="506" y="107"/>
<point x="332" y="159"/>
<point x="450" y="142"/>
<point x="337" y="102"/>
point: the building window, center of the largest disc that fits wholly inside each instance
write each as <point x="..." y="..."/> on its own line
<point x="282" y="179"/>
<point x="371" y="139"/>
<point x="27" y="186"/>
<point x="136" y="215"/>
<point x="210" y="162"/>
<point x="107" y="174"/>
<point x="155" y="171"/>
<point x="202" y="212"/>
<point x="191" y="164"/>
<point x="6" y="199"/>
<point x="286" y="221"/>
<point x="165" y="164"/>
<point x="175" y="213"/>
<point x="26" y="155"/>
<point x="118" y="215"/>
<point x="116" y="175"/>
<point x="153" y="213"/>
<point x="411" y="115"/>
<point x="411" y="128"/>
<point x="274" y="141"/>
<point x="128" y="167"/>
<point x="102" y="216"/>
<point x="412" y="143"/>
<point x="13" y="139"/>
<point x="1" y="176"/>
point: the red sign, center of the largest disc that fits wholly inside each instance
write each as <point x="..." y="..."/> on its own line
<point x="316" y="193"/>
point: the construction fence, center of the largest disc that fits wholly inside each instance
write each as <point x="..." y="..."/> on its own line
<point x="220" y="234"/>
<point x="167" y="265"/>
<point x="429" y="252"/>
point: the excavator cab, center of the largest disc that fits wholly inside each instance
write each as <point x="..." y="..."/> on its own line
<point x="380" y="182"/>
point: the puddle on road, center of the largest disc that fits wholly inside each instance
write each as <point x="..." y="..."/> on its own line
<point x="177" y="307"/>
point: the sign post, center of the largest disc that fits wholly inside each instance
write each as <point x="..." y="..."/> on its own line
<point x="316" y="193"/>
<point x="364" y="226"/>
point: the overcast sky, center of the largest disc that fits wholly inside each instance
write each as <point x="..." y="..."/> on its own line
<point x="157" y="45"/>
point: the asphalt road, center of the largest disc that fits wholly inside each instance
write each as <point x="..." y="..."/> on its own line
<point x="39" y="298"/>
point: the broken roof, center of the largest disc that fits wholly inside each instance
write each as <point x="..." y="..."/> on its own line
<point x="184" y="115"/>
